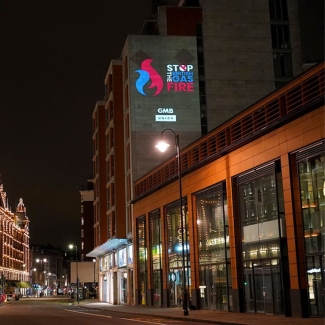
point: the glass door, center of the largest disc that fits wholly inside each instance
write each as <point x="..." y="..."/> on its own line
<point x="157" y="288"/>
<point x="213" y="287"/>
<point x="316" y="288"/>
<point x="175" y="288"/>
<point x="123" y="288"/>
<point x="263" y="288"/>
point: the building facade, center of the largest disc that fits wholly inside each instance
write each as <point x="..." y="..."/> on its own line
<point x="87" y="219"/>
<point x="191" y="69"/>
<point x="49" y="272"/>
<point x="252" y="212"/>
<point x="14" y="245"/>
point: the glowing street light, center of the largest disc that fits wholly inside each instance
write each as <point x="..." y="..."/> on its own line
<point x="162" y="146"/>
<point x="76" y="249"/>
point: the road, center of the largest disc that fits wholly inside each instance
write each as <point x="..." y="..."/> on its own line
<point x="43" y="311"/>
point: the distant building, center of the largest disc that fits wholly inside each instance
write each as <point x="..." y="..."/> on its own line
<point x="87" y="219"/>
<point x="49" y="271"/>
<point x="14" y="245"/>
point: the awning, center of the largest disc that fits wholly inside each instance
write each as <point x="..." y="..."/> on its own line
<point x="18" y="284"/>
<point x="107" y="247"/>
<point x="24" y="284"/>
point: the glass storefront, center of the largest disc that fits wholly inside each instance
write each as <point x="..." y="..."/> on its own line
<point x="261" y="212"/>
<point x="213" y="242"/>
<point x="156" y="257"/>
<point x="311" y="169"/>
<point x="142" y="260"/>
<point x="123" y="288"/>
<point x="177" y="245"/>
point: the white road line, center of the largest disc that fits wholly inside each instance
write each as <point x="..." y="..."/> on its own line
<point x="79" y="312"/>
<point x="142" y="321"/>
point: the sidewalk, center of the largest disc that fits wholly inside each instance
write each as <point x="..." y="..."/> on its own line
<point x="206" y="316"/>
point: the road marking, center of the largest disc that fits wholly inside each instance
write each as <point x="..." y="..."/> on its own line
<point x="79" y="312"/>
<point x="143" y="321"/>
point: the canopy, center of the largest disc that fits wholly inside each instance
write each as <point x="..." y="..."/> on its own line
<point x="24" y="284"/>
<point x="19" y="284"/>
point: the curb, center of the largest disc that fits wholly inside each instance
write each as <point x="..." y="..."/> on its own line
<point x="182" y="318"/>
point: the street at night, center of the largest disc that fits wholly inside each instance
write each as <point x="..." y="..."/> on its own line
<point x="53" y="311"/>
<point x="59" y="310"/>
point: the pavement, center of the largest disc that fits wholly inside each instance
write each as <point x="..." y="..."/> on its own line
<point x="204" y="316"/>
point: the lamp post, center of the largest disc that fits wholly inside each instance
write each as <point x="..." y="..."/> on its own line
<point x="76" y="249"/>
<point x="94" y="260"/>
<point x="162" y="146"/>
<point x="44" y="260"/>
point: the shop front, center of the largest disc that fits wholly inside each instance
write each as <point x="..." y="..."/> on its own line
<point x="213" y="245"/>
<point x="156" y="257"/>
<point x="116" y="271"/>
<point x="311" y="170"/>
<point x="263" y="237"/>
<point x="178" y="254"/>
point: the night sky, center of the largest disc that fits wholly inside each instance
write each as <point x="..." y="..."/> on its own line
<point x="54" y="55"/>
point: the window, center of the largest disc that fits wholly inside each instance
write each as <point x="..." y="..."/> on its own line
<point x="282" y="65"/>
<point x="280" y="36"/>
<point x="213" y="244"/>
<point x="142" y="259"/>
<point x="156" y="257"/>
<point x="278" y="9"/>
<point x="108" y="191"/>
<point x="312" y="189"/>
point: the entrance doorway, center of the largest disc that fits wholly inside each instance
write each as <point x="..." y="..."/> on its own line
<point x="316" y="284"/>
<point x="176" y="287"/>
<point x="263" y="287"/>
<point x="213" y="287"/>
<point x="123" y="288"/>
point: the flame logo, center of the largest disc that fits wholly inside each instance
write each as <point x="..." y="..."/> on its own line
<point x="146" y="73"/>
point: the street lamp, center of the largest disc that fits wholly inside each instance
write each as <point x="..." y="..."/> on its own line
<point x="76" y="249"/>
<point x="44" y="260"/>
<point x="94" y="260"/>
<point x="162" y="146"/>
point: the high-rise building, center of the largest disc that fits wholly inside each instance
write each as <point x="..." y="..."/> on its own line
<point x="242" y="227"/>
<point x="193" y="67"/>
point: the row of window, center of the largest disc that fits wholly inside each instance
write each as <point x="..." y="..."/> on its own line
<point x="261" y="251"/>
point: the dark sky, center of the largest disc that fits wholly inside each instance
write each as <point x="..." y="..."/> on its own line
<point x="54" y="55"/>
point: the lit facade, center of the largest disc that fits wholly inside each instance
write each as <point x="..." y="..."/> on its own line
<point x="253" y="204"/>
<point x="221" y="72"/>
<point x="87" y="219"/>
<point x="14" y="244"/>
<point x="48" y="270"/>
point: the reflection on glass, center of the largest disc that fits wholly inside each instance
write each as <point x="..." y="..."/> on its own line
<point x="156" y="257"/>
<point x="312" y="178"/>
<point x="142" y="259"/>
<point x="213" y="238"/>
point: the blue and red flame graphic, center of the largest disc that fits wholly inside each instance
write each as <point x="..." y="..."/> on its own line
<point x="146" y="73"/>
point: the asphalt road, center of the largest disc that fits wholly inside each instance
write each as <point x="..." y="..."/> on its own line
<point x="44" y="311"/>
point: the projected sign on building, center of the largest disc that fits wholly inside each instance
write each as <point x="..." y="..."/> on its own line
<point x="164" y="79"/>
<point x="180" y="77"/>
<point x="161" y="90"/>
